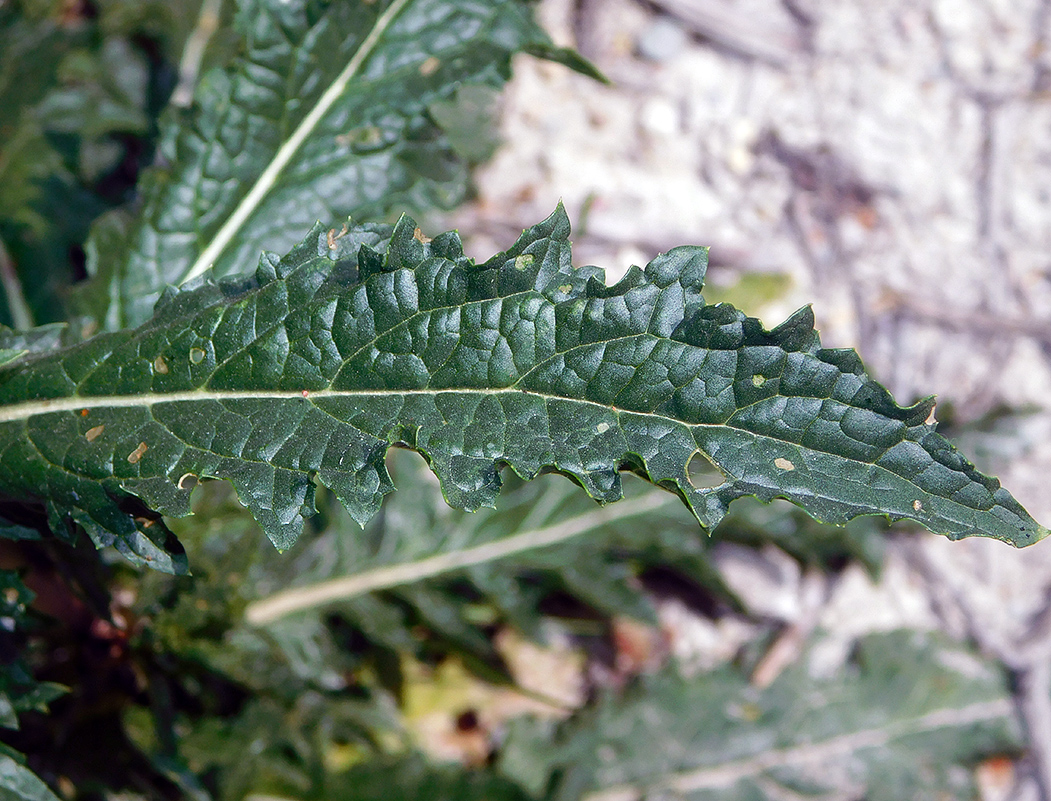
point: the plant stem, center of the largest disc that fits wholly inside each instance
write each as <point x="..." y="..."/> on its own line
<point x="281" y="604"/>
<point x="21" y="316"/>
<point x="193" y="53"/>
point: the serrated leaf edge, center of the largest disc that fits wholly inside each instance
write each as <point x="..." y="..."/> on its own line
<point x="268" y="177"/>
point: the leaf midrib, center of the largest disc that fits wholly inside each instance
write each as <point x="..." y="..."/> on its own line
<point x="23" y="411"/>
<point x="266" y="180"/>
<point x="733" y="771"/>
<point x="322" y="593"/>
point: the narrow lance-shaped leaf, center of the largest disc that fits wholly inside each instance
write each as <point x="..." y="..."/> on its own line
<point x="905" y="718"/>
<point x="353" y="342"/>
<point x="324" y="115"/>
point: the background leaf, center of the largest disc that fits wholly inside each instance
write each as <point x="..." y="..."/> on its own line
<point x="81" y="86"/>
<point x="903" y="718"/>
<point x="325" y="113"/>
<point x="18" y="783"/>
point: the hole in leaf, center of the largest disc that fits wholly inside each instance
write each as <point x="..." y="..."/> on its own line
<point x="703" y="472"/>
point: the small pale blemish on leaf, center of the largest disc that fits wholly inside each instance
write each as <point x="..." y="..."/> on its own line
<point x="366" y="137"/>
<point x="160" y="366"/>
<point x="917" y="506"/>
<point x="758" y="380"/>
<point x="602" y="428"/>
<point x="187" y="481"/>
<point x="137" y="454"/>
<point x="783" y="464"/>
<point x="333" y="237"/>
<point x="93" y="434"/>
<point x="523" y="261"/>
<point x="196" y="355"/>
<point x="419" y="236"/>
<point x="566" y="288"/>
<point x="429" y="66"/>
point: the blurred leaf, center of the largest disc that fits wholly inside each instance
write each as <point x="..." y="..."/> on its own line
<point x="750" y="290"/>
<point x="906" y="717"/>
<point x="19" y="691"/>
<point x="468" y="119"/>
<point x="470" y="572"/>
<point x="324" y="114"/>
<point x="19" y="783"/>
<point x="412" y="779"/>
<point x="77" y="101"/>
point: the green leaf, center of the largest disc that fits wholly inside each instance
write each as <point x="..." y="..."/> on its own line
<point x="905" y="718"/>
<point x="64" y="101"/>
<point x="544" y="536"/>
<point x="315" y="366"/>
<point x="417" y="546"/>
<point x="19" y="783"/>
<point x="19" y="691"/>
<point x="410" y="778"/>
<point x="326" y="113"/>
<point x="79" y="95"/>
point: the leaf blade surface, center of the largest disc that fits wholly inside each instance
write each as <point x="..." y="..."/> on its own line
<point x="325" y="115"/>
<point x="356" y="341"/>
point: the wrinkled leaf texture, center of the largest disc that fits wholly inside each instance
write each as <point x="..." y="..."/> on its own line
<point x="325" y="114"/>
<point x="355" y="341"/>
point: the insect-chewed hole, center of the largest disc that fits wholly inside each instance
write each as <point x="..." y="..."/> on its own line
<point x="703" y="472"/>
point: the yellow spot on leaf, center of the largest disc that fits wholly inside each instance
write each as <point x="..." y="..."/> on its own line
<point x="602" y="428"/>
<point x="419" y="236"/>
<point x="429" y="66"/>
<point x="137" y="454"/>
<point x="523" y="261"/>
<point x="566" y="288"/>
<point x="783" y="464"/>
<point x="196" y="355"/>
<point x="160" y="366"/>
<point x="758" y="380"/>
<point x="93" y="434"/>
<point x="916" y="505"/>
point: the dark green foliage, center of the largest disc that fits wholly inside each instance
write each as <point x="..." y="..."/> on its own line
<point x="290" y="675"/>
<point x="326" y="112"/>
<point x="361" y="339"/>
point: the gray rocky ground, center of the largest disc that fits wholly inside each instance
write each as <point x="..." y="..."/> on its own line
<point x="893" y="159"/>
